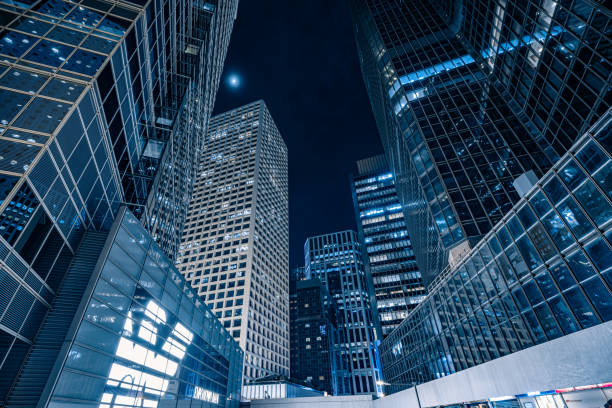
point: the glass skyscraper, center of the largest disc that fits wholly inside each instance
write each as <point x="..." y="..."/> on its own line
<point x="543" y="272"/>
<point x="235" y="246"/>
<point x="488" y="113"/>
<point x="381" y="225"/>
<point x="468" y="96"/>
<point x="337" y="260"/>
<point x="101" y="103"/>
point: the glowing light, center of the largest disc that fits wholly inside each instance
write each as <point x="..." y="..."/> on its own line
<point x="233" y="81"/>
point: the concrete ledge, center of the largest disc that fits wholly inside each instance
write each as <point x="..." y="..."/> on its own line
<point x="580" y="358"/>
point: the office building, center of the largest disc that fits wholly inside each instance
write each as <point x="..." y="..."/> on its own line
<point x="381" y="225"/>
<point x="295" y="275"/>
<point x="314" y="335"/>
<point x="469" y="96"/>
<point x="235" y="247"/>
<point x="483" y="110"/>
<point x="102" y="103"/>
<point x="141" y="338"/>
<point x="338" y="261"/>
<point x="543" y="273"/>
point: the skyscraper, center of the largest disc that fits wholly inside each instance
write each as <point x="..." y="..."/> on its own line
<point x="543" y="273"/>
<point x="103" y="103"/>
<point x="381" y="226"/>
<point x="488" y="113"/>
<point x="315" y="357"/>
<point x="470" y="96"/>
<point x="235" y="247"/>
<point x="337" y="260"/>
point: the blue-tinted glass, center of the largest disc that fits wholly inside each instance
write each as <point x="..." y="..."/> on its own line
<point x="547" y="321"/>
<point x="540" y="240"/>
<point x="16" y="157"/>
<point x="494" y="245"/>
<point x="520" y="267"/>
<point x="554" y="190"/>
<point x="114" y="25"/>
<point x="15" y="44"/>
<point x="66" y="35"/>
<point x="579" y="265"/>
<point x="532" y="292"/>
<point x="546" y="285"/>
<point x="594" y="203"/>
<point x="581" y="308"/>
<point x="42" y="115"/>
<point x="604" y="179"/>
<point x="557" y="231"/>
<point x="520" y="299"/>
<point x="31" y="26"/>
<point x="529" y="253"/>
<point x="540" y="203"/>
<point x="84" y="62"/>
<point x="62" y="89"/>
<point x="564" y="316"/>
<point x="562" y="276"/>
<point x="99" y="44"/>
<point x="504" y="237"/>
<point x="23" y="80"/>
<point x="599" y="296"/>
<point x="515" y="227"/>
<point x="574" y="217"/>
<point x="572" y="174"/>
<point x="526" y="216"/>
<point x="536" y="329"/>
<point x="10" y="104"/>
<point x="49" y="53"/>
<point x="600" y="254"/>
<point x="591" y="157"/>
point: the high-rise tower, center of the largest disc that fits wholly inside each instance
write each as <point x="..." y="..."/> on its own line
<point x="235" y="247"/>
<point x="469" y="96"/>
<point x="104" y="103"/>
<point x="495" y="118"/>
<point x="337" y="260"/>
<point x="381" y="225"/>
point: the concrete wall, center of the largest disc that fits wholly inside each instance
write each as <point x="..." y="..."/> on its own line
<point x="581" y="358"/>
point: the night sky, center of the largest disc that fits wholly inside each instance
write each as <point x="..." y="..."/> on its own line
<point x="300" y="57"/>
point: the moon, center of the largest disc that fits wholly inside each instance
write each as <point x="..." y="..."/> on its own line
<point x="233" y="81"/>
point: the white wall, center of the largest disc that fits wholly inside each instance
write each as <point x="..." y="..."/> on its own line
<point x="581" y="358"/>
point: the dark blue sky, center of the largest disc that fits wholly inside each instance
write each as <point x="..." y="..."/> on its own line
<point x="299" y="56"/>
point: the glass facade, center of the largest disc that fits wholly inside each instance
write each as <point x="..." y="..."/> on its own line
<point x="102" y="103"/>
<point x="337" y="260"/>
<point x="382" y="230"/>
<point x="470" y="95"/>
<point x="544" y="271"/>
<point x="144" y="337"/>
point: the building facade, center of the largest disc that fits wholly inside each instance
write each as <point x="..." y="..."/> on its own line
<point x="314" y="334"/>
<point x="338" y="261"/>
<point x="143" y="337"/>
<point x="544" y="272"/>
<point x="469" y="96"/>
<point x="235" y="247"/>
<point x="103" y="103"/>
<point x="381" y="225"/>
